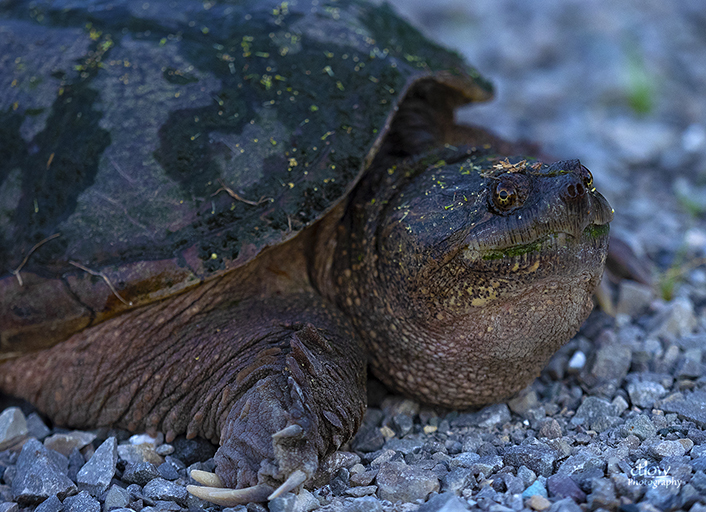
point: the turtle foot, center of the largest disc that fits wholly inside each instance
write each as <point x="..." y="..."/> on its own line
<point x="286" y="421"/>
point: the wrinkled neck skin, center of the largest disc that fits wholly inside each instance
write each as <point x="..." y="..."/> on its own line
<point x="461" y="304"/>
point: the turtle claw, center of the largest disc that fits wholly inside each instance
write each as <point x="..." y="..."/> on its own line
<point x="294" y="480"/>
<point x="206" y="478"/>
<point x="294" y="431"/>
<point x="231" y="497"/>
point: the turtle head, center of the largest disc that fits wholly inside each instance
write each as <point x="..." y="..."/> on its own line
<point x="479" y="269"/>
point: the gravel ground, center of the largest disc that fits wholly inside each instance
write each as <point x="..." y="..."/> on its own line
<point x="618" y="418"/>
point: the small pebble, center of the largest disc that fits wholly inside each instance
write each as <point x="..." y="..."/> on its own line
<point x="82" y="502"/>
<point x="141" y="473"/>
<point x="95" y="476"/>
<point x="41" y="473"/>
<point x="595" y="414"/>
<point x="538" y="457"/>
<point x="116" y="497"/>
<point x="13" y="426"/>
<point x="537" y="502"/>
<point x="36" y="427"/>
<point x="161" y="489"/>
<point x="644" y="394"/>
<point x="139" y="453"/>
<point x="65" y="443"/>
<point x="577" y="362"/>
<point x="398" y="482"/>
<point x="51" y="504"/>
<point x="662" y="449"/>
<point x="536" y="489"/>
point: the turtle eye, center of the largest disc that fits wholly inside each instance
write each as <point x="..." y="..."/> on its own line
<point x="505" y="195"/>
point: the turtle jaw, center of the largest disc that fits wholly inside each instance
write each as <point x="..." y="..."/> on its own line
<point x="592" y="236"/>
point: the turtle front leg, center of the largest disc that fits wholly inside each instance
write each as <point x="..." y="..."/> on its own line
<point x="308" y="404"/>
<point x="279" y="382"/>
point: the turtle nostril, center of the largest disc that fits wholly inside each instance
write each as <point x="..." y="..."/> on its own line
<point x="575" y="190"/>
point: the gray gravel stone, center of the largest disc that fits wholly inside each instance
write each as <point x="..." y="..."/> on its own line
<point x="168" y="471"/>
<point x="116" y="497"/>
<point x="602" y="495"/>
<point x="366" y="490"/>
<point x="595" y="414"/>
<point x="141" y="473"/>
<point x="36" y="427"/>
<point x="51" y="504"/>
<point x="487" y="465"/>
<point x="398" y="482"/>
<point x="445" y="502"/>
<point x="405" y="446"/>
<point x="284" y="503"/>
<point x="304" y="501"/>
<point x="612" y="362"/>
<point x="577" y="362"/>
<point x="76" y="462"/>
<point x="562" y="486"/>
<point x="456" y="480"/>
<point x="492" y="416"/>
<point x="690" y="367"/>
<point x="13" y="426"/>
<point x="161" y="489"/>
<point x="82" y="502"/>
<point x="40" y="475"/>
<point x="663" y="497"/>
<point x="691" y="406"/>
<point x="583" y="468"/>
<point x="536" y="489"/>
<point x="550" y="428"/>
<point x="465" y="459"/>
<point x="9" y="507"/>
<point x="660" y="449"/>
<point x="527" y="475"/>
<point x="5" y="493"/>
<point x="402" y="424"/>
<point x="698" y="481"/>
<point x="633" y="298"/>
<point x="513" y="484"/>
<point x="645" y="393"/>
<point x="565" y="505"/>
<point x="640" y="426"/>
<point x="688" y="496"/>
<point x="368" y="440"/>
<point x="677" y="320"/>
<point x="134" y="454"/>
<point x="95" y="476"/>
<point x="64" y="443"/>
<point x="524" y="402"/>
<point x="539" y="458"/>
<point x="365" y="504"/>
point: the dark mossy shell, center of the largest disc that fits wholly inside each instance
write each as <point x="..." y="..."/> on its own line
<point x="122" y="124"/>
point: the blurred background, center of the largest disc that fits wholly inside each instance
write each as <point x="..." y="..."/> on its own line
<point x="620" y="84"/>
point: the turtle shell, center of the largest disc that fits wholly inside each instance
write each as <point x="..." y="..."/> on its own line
<point x="148" y="146"/>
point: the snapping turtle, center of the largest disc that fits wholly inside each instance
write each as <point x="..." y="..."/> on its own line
<point x="214" y="215"/>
